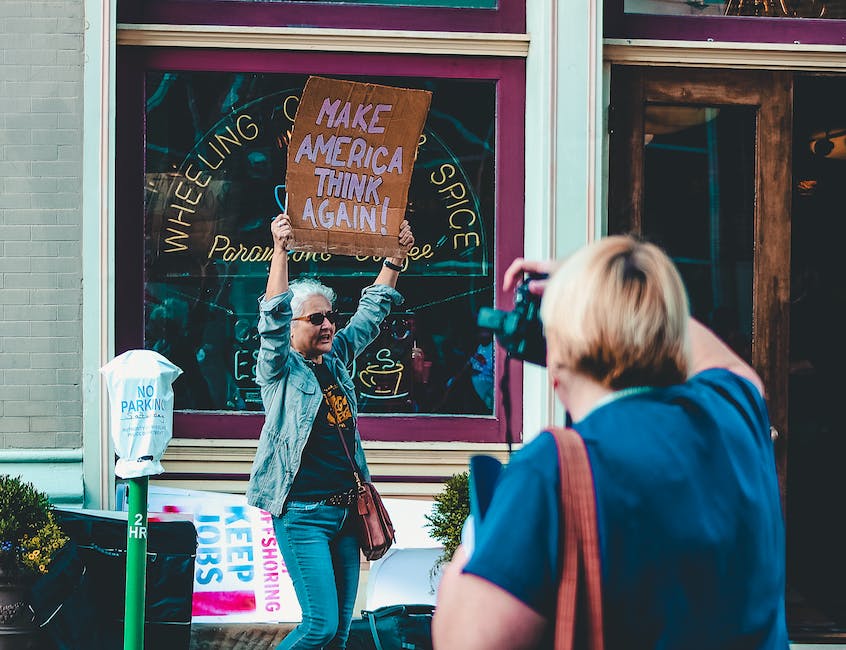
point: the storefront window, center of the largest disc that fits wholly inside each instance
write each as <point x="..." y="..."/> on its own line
<point x="481" y="16"/>
<point x="699" y="164"/>
<point x="735" y="21"/>
<point x="464" y="4"/>
<point x="216" y="146"/>
<point x="757" y="8"/>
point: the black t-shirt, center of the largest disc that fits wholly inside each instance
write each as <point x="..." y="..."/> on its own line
<point x="325" y="468"/>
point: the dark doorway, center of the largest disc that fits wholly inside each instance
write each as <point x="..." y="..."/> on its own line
<point x="816" y="482"/>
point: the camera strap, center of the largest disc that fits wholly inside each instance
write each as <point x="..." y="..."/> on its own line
<point x="505" y="391"/>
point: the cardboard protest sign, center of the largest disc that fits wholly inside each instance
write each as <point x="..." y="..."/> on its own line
<point x="349" y="165"/>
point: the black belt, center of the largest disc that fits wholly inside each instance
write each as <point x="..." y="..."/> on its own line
<point x="342" y="499"/>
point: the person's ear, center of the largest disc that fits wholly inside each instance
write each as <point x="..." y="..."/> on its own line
<point x="560" y="377"/>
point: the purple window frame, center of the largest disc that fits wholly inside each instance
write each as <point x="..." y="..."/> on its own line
<point x="510" y="75"/>
<point x="730" y="29"/>
<point x="508" y="17"/>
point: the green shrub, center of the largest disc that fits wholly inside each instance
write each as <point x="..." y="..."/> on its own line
<point x="451" y="508"/>
<point x="29" y="536"/>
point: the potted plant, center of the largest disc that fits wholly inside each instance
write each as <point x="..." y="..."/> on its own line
<point x="29" y="538"/>
<point x="450" y="509"/>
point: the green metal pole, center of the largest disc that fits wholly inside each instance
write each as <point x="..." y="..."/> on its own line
<point x="136" y="564"/>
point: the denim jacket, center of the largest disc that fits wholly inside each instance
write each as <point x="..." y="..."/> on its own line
<point x="292" y="396"/>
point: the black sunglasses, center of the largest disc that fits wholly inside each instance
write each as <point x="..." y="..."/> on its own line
<point x="317" y="317"/>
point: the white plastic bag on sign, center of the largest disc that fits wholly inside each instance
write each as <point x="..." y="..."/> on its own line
<point x="141" y="408"/>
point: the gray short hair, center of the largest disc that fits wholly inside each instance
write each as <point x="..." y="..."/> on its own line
<point x="303" y="289"/>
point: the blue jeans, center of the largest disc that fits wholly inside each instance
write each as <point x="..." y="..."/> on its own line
<point x="320" y="549"/>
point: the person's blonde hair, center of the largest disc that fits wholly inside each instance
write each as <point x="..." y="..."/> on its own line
<point x="617" y="311"/>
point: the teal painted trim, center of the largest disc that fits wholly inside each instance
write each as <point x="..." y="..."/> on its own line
<point x="574" y="192"/>
<point x="98" y="266"/>
<point x="603" y="144"/>
<point x="40" y="456"/>
<point x="541" y="172"/>
<point x="57" y="472"/>
<point x="566" y="152"/>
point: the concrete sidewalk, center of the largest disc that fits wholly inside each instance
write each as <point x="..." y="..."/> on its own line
<point x="238" y="636"/>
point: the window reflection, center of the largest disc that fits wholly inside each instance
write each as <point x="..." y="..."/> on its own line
<point x="215" y="161"/>
<point x="464" y="4"/>
<point x="698" y="205"/>
<point x="755" y="8"/>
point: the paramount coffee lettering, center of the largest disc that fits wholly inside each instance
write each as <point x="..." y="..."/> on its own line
<point x="222" y="248"/>
<point x="414" y="253"/>
<point x="302" y="256"/>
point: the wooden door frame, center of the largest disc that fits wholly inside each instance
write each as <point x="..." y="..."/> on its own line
<point x="770" y="93"/>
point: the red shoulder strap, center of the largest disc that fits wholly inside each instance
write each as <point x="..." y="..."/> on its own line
<point x="580" y="585"/>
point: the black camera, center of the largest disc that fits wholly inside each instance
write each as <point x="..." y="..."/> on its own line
<point x="518" y="331"/>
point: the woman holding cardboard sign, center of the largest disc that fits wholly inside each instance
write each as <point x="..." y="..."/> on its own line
<point x="301" y="473"/>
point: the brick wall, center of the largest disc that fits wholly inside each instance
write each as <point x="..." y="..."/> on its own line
<point x="41" y="52"/>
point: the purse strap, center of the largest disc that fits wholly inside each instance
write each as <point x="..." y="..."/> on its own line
<point x="359" y="484"/>
<point x="580" y="584"/>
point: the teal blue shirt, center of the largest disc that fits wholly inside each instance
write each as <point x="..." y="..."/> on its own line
<point x="689" y="517"/>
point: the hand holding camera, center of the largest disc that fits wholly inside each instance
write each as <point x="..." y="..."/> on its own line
<point x="539" y="270"/>
<point x="520" y="331"/>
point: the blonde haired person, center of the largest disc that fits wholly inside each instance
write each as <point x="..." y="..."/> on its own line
<point x="676" y="429"/>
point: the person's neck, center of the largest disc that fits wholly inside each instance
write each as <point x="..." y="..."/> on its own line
<point x="311" y="359"/>
<point x="583" y="394"/>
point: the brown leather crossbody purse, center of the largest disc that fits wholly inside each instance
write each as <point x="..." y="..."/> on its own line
<point x="375" y="529"/>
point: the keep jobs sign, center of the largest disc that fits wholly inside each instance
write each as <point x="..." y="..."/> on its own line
<point x="350" y="160"/>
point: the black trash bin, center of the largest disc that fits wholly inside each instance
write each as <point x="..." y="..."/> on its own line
<point x="80" y="603"/>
